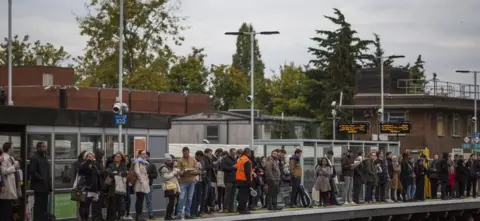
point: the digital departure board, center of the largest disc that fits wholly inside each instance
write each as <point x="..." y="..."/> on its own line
<point x="395" y="128"/>
<point x="353" y="128"/>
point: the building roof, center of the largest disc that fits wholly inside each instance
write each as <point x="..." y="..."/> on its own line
<point x="240" y="116"/>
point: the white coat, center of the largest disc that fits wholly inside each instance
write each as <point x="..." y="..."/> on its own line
<point x="7" y="171"/>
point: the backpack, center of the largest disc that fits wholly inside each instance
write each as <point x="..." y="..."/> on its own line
<point x="304" y="198"/>
<point x="132" y="176"/>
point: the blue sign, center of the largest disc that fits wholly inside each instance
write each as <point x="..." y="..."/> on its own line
<point x="469" y="145"/>
<point x="120" y="119"/>
<point x="475" y="135"/>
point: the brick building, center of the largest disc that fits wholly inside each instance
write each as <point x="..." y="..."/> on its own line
<point x="53" y="87"/>
<point x="440" y="112"/>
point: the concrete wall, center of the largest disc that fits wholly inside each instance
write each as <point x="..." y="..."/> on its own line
<point x="232" y="132"/>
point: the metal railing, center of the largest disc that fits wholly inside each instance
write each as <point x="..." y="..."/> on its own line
<point x="438" y="88"/>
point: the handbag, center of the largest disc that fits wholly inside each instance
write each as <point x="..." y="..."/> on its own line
<point x="120" y="185"/>
<point x="78" y="195"/>
<point x="220" y="179"/>
<point x="132" y="176"/>
<point x="171" y="186"/>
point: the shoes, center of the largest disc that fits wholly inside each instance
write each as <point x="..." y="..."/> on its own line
<point x="244" y="212"/>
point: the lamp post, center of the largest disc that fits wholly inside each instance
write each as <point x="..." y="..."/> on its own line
<point x="475" y="95"/>
<point x="10" y="102"/>
<point x="120" y="71"/>
<point x="382" y="59"/>
<point x="252" y="66"/>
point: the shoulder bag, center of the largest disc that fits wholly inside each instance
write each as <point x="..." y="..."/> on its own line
<point x="132" y="176"/>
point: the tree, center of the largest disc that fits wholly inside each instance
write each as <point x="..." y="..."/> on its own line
<point x="229" y="87"/>
<point x="417" y="75"/>
<point x="288" y="91"/>
<point x="379" y="52"/>
<point x="147" y="27"/>
<point x="24" y="53"/>
<point x="241" y="61"/>
<point x="189" y="73"/>
<point x="337" y="57"/>
<point x="284" y="129"/>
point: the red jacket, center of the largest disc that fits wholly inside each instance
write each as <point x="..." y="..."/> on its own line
<point x="451" y="177"/>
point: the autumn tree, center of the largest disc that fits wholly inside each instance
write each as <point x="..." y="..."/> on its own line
<point x="146" y="55"/>
<point x="25" y="52"/>
<point x="374" y="61"/>
<point x="336" y="61"/>
<point x="189" y="73"/>
<point x="229" y="87"/>
<point x="241" y="61"/>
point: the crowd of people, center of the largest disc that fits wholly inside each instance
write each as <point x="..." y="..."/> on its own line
<point x="234" y="181"/>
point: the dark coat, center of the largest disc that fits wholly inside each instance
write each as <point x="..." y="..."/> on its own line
<point x="390" y="167"/>
<point x="347" y="169"/>
<point x="358" y="174"/>
<point x="91" y="176"/>
<point x="152" y="172"/>
<point x="229" y="172"/>
<point x="475" y="169"/>
<point x="432" y="169"/>
<point x="383" y="176"/>
<point x="443" y="168"/>
<point x="370" y="172"/>
<point x="41" y="179"/>
<point x="113" y="170"/>
<point x="420" y="172"/>
<point x="463" y="173"/>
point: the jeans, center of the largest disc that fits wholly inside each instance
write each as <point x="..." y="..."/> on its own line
<point x="296" y="181"/>
<point x="388" y="186"/>
<point x="411" y="191"/>
<point x="348" y="189"/>
<point x="128" y="201"/>
<point x="357" y="189"/>
<point x="207" y="190"/>
<point x="197" y="200"/>
<point x="6" y="209"/>
<point x="272" y="194"/>
<point x="220" y="195"/>
<point x="186" y="194"/>
<point x="148" y="199"/>
<point x="260" y="195"/>
<point x="369" y="192"/>
<point x="380" y="192"/>
<point x="139" y="203"/>
<point x="229" y="199"/>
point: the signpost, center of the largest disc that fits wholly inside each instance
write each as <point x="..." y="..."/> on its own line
<point x="353" y="128"/>
<point x="120" y="119"/>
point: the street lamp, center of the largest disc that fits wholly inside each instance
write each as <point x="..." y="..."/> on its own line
<point x="475" y="95"/>
<point x="10" y="102"/>
<point x="252" y="66"/>
<point x="120" y="71"/>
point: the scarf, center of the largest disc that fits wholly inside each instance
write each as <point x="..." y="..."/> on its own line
<point x="142" y="161"/>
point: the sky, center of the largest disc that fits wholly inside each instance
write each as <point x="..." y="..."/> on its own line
<point x="446" y="33"/>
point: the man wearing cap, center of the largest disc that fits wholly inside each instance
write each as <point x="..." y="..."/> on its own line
<point x="188" y="172"/>
<point x="244" y="177"/>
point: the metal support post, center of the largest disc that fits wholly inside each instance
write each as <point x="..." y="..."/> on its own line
<point x="252" y="92"/>
<point x="120" y="74"/>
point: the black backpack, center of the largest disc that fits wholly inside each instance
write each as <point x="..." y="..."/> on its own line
<point x="304" y="198"/>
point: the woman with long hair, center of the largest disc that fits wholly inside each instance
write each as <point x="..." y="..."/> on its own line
<point x="170" y="185"/>
<point x="116" y="187"/>
<point x="141" y="186"/>
<point x="74" y="176"/>
<point x="91" y="183"/>
<point x="322" y="181"/>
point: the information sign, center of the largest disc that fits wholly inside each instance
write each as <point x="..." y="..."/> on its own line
<point x="395" y="128"/>
<point x="353" y="128"/>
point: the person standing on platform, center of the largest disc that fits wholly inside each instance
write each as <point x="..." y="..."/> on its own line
<point x="433" y="176"/>
<point x="272" y="176"/>
<point x="228" y="166"/>
<point x="152" y="175"/>
<point x="347" y="171"/>
<point x="420" y="172"/>
<point x="296" y="170"/>
<point x="395" y="179"/>
<point x="8" y="169"/>
<point x="116" y="189"/>
<point x="98" y="205"/>
<point x="188" y="172"/>
<point x="463" y="175"/>
<point x="370" y="177"/>
<point x="388" y="187"/>
<point x="244" y="178"/>
<point x="383" y="178"/>
<point x="358" y="177"/>
<point x="333" y="179"/>
<point x="41" y="181"/>
<point x="474" y="167"/>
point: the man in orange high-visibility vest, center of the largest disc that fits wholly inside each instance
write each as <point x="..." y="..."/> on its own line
<point x="244" y="177"/>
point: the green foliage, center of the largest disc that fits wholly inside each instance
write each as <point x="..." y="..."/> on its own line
<point x="25" y="53"/>
<point x="189" y="73"/>
<point x="310" y="131"/>
<point x="374" y="61"/>
<point x="289" y="91"/>
<point x="229" y="87"/>
<point x="146" y="55"/>
<point x="417" y="75"/>
<point x="283" y="129"/>
<point x="337" y="57"/>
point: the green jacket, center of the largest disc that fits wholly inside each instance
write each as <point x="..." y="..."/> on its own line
<point x="370" y="172"/>
<point x="152" y="172"/>
<point x="112" y="171"/>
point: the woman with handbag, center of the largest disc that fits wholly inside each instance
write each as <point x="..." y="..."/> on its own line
<point x="116" y="187"/>
<point x="141" y="184"/>
<point x="170" y="185"/>
<point x="91" y="183"/>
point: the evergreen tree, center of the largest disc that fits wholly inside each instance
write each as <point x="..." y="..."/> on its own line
<point x="337" y="57"/>
<point x="241" y="61"/>
<point x="379" y="52"/>
<point x="417" y="75"/>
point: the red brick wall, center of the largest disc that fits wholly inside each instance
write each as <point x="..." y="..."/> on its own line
<point x="33" y="75"/>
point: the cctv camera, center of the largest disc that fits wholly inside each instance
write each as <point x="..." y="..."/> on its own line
<point x="249" y="98"/>
<point x="474" y="119"/>
<point x="120" y="108"/>
<point x="380" y="111"/>
<point x="334" y="103"/>
<point x="205" y="141"/>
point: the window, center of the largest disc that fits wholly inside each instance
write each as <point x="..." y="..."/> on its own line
<point x="135" y="144"/>
<point x="33" y="139"/>
<point x="47" y="79"/>
<point x="66" y="146"/>
<point x="90" y="143"/>
<point x="257" y="131"/>
<point x="111" y="145"/>
<point x="455" y="125"/>
<point x="64" y="176"/>
<point x="396" y="116"/>
<point x="212" y="133"/>
<point x="440" y="125"/>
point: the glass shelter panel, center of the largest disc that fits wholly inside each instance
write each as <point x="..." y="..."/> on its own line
<point x="111" y="145"/>
<point x="33" y="139"/>
<point x="16" y="143"/>
<point x="64" y="176"/>
<point x="66" y="146"/>
<point x="309" y="162"/>
<point x="90" y="143"/>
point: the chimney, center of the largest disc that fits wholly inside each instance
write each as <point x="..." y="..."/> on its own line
<point x="39" y="61"/>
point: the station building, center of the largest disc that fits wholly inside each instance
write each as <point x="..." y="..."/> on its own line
<point x="48" y="107"/>
<point x="440" y="112"/>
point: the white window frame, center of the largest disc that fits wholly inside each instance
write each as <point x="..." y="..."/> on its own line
<point x="441" y="118"/>
<point x="47" y="79"/>
<point x="455" y="125"/>
<point x="396" y="118"/>
<point x="213" y="139"/>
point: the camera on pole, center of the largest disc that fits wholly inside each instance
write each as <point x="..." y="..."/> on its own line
<point x="120" y="108"/>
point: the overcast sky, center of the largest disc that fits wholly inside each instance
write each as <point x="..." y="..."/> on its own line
<point x="445" y="32"/>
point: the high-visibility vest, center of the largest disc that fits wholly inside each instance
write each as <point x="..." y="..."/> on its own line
<point x="240" y="175"/>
